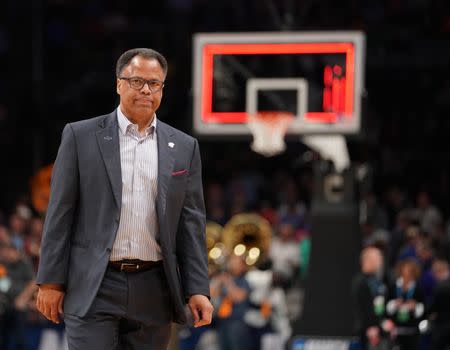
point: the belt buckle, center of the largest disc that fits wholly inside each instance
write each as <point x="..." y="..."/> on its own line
<point x="122" y="265"/>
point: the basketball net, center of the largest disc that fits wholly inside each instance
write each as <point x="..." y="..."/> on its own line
<point x="269" y="129"/>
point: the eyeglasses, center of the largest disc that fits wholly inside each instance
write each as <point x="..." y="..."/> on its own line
<point x="137" y="83"/>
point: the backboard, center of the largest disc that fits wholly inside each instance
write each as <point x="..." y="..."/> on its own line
<point x="316" y="76"/>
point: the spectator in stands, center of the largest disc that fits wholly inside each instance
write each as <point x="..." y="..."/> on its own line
<point x="371" y="210"/>
<point x="4" y="235"/>
<point x="268" y="212"/>
<point x="439" y="241"/>
<point x="425" y="256"/>
<point x="405" y="305"/>
<point x="17" y="227"/>
<point x="440" y="306"/>
<point x="292" y="210"/>
<point x="33" y="240"/>
<point x="396" y="203"/>
<point x="230" y="291"/>
<point x="215" y="203"/>
<point x="285" y="254"/>
<point x="16" y="289"/>
<point x="242" y="191"/>
<point x="409" y="248"/>
<point x="398" y="236"/>
<point x="369" y="292"/>
<point x="374" y="236"/>
<point x="427" y="214"/>
<point x="268" y="314"/>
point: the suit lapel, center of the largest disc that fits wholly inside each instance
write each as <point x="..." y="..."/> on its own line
<point x="165" y="166"/>
<point x="108" y="141"/>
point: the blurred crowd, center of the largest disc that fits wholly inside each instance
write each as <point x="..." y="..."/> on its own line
<point x="402" y="296"/>
<point x="255" y="307"/>
<point x="21" y="325"/>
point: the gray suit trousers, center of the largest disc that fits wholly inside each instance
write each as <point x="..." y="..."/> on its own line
<point x="131" y="311"/>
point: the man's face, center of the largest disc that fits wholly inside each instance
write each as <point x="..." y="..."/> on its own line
<point x="286" y="231"/>
<point x="9" y="254"/>
<point x="236" y="265"/>
<point x="407" y="272"/>
<point x="140" y="103"/>
<point x="371" y="261"/>
<point x="17" y="224"/>
<point x="440" y="272"/>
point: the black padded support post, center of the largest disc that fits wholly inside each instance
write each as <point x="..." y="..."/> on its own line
<point x="334" y="258"/>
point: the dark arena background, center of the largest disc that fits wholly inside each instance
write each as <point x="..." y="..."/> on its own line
<point x="364" y="90"/>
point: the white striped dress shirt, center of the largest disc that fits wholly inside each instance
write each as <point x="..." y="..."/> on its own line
<point x="138" y="227"/>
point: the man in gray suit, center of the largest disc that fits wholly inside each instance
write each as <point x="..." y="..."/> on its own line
<point x="123" y="247"/>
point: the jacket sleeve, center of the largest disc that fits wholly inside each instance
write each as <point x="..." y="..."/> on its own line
<point x="55" y="247"/>
<point x="191" y="243"/>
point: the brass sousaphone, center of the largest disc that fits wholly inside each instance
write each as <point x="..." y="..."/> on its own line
<point x="248" y="235"/>
<point x="214" y="246"/>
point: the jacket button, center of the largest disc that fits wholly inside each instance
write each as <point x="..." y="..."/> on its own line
<point x="108" y="250"/>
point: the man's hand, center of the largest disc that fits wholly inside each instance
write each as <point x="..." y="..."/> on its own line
<point x="23" y="300"/>
<point x="50" y="302"/>
<point x="201" y="309"/>
<point x="411" y="305"/>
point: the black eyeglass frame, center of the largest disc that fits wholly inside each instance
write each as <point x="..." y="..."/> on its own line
<point x="144" y="81"/>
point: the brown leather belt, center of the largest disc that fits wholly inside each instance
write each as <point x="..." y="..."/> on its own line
<point x="134" y="265"/>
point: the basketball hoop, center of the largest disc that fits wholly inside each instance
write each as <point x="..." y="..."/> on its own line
<point x="269" y="129"/>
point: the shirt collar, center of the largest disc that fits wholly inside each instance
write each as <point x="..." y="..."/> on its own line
<point x="124" y="122"/>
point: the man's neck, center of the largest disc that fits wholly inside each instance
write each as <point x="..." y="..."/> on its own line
<point x="142" y="122"/>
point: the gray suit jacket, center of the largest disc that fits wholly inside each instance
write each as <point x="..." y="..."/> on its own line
<point x="84" y="212"/>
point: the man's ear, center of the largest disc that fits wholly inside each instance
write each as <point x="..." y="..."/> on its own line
<point x="118" y="85"/>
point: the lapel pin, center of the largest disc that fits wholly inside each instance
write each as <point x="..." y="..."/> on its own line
<point x="108" y="138"/>
<point x="171" y="144"/>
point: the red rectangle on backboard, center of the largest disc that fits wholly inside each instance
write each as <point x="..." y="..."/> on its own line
<point x="210" y="50"/>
